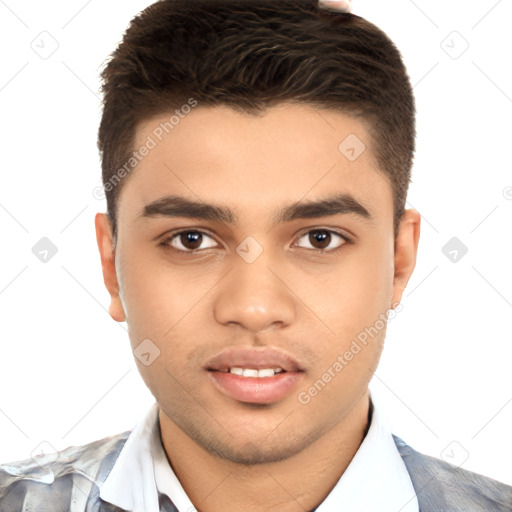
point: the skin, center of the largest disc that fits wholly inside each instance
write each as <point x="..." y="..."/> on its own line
<point x="231" y="455"/>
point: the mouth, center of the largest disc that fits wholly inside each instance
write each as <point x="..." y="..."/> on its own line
<point x="254" y="375"/>
<point x="253" y="372"/>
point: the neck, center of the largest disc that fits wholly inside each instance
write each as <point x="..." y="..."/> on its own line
<point x="297" y="484"/>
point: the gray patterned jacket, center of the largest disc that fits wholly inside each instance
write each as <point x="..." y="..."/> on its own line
<point x="70" y="483"/>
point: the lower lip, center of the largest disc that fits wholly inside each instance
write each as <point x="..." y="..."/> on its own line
<point x="255" y="390"/>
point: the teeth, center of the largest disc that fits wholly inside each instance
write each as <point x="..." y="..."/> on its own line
<point x="251" y="372"/>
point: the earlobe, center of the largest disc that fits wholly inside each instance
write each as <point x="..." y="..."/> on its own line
<point x="107" y="255"/>
<point x="406" y="249"/>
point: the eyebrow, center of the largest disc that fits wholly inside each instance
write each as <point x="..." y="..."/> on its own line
<point x="178" y="206"/>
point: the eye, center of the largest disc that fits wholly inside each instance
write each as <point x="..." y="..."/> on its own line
<point x="188" y="241"/>
<point x="320" y="239"/>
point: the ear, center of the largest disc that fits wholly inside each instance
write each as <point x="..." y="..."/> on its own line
<point x="108" y="265"/>
<point x="406" y="249"/>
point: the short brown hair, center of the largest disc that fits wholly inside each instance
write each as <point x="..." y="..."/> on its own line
<point x="251" y="55"/>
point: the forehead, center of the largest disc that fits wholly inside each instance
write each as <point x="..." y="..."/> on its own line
<point x="288" y="154"/>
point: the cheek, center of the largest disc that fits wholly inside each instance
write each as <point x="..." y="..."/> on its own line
<point x="150" y="290"/>
<point x="152" y="299"/>
<point x="360" y="289"/>
<point x="353" y="302"/>
<point x="354" y="307"/>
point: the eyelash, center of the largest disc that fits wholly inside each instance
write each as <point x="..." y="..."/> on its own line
<point x="166" y="242"/>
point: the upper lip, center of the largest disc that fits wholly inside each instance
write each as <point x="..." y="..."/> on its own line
<point x="251" y="357"/>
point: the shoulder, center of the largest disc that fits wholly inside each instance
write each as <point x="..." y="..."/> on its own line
<point x="441" y="486"/>
<point x="53" y="482"/>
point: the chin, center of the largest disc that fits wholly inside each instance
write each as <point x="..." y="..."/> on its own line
<point x="250" y="454"/>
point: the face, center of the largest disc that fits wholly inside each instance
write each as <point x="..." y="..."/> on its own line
<point x="290" y="258"/>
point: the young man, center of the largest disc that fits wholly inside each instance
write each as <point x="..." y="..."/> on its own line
<point x="256" y="158"/>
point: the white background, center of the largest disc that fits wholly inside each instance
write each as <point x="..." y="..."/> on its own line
<point x="67" y="374"/>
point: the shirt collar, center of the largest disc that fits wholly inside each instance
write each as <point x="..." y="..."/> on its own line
<point x="142" y="471"/>
<point x="376" y="478"/>
<point x="131" y="484"/>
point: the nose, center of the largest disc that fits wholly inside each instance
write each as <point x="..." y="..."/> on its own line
<point x="255" y="296"/>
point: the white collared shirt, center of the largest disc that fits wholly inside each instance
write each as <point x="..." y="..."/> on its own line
<point x="376" y="479"/>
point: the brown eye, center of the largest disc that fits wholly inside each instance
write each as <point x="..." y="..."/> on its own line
<point x="190" y="240"/>
<point x="320" y="239"/>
